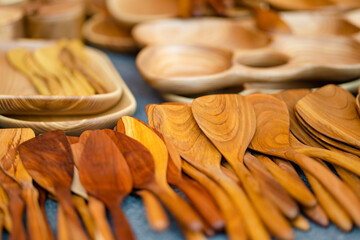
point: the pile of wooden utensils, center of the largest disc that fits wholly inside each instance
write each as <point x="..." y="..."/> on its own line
<point x="236" y="158"/>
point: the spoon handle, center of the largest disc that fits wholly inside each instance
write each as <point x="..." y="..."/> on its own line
<point x="42" y="200"/>
<point x="98" y="212"/>
<point x="62" y="232"/>
<point x="202" y="201"/>
<point x="301" y="223"/>
<point x="37" y="229"/>
<point x="155" y="213"/>
<point x="84" y="213"/>
<point x="120" y="222"/>
<point x="17" y="206"/>
<point x="350" y="179"/>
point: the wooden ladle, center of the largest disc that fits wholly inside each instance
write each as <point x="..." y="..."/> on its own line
<point x="272" y="138"/>
<point x="49" y="161"/>
<point x="12" y="165"/>
<point x="95" y="172"/>
<point x="229" y="121"/>
<point x="155" y="158"/>
<point x="177" y="123"/>
<point x="331" y="110"/>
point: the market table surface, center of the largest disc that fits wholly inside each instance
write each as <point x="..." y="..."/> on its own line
<point x="132" y="205"/>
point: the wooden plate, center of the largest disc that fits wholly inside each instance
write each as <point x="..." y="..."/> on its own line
<point x="75" y="125"/>
<point x="18" y="96"/>
<point x="102" y="31"/>
<point x="208" y="31"/>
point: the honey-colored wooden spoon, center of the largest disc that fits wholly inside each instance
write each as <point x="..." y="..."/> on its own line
<point x="95" y="172"/>
<point x="49" y="161"/>
<point x="12" y="165"/>
<point x="229" y="121"/>
<point x="5" y="211"/>
<point x="331" y="110"/>
<point x="272" y="138"/>
<point x="177" y="123"/>
<point x="153" y="174"/>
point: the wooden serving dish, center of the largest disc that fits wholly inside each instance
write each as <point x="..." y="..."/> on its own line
<point x="11" y="23"/>
<point x="75" y="124"/>
<point x="56" y="20"/>
<point x="102" y="31"/>
<point x="131" y="12"/>
<point x="18" y="96"/>
<point x="208" y="31"/>
<point x="189" y="69"/>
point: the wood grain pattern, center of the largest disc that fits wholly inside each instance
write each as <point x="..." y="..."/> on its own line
<point x="331" y="110"/>
<point x="13" y="166"/>
<point x="20" y="97"/>
<point x="272" y="120"/>
<point x="173" y="68"/>
<point x="49" y="161"/>
<point x="148" y="167"/>
<point x="229" y="122"/>
<point x="96" y="172"/>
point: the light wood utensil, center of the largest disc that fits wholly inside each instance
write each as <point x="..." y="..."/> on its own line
<point x="206" y="31"/>
<point x="18" y="96"/>
<point x="272" y="120"/>
<point x="331" y="110"/>
<point x="101" y="30"/>
<point x="229" y="121"/>
<point x="96" y="172"/>
<point x="49" y="160"/>
<point x="177" y="123"/>
<point x="153" y="176"/>
<point x="131" y="12"/>
<point x="173" y="68"/>
<point x="13" y="166"/>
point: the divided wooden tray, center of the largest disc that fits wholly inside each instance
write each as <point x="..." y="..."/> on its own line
<point x="18" y="96"/>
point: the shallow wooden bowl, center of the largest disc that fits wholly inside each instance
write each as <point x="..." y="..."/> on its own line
<point x="11" y="23"/>
<point x="189" y="69"/>
<point x="131" y="12"/>
<point x="102" y="31"/>
<point x="208" y="31"/>
<point x="56" y="20"/>
<point x="18" y="96"/>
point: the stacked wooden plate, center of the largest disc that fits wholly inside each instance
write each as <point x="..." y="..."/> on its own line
<point x="23" y="107"/>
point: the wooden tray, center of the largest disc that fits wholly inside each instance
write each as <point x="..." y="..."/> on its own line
<point x="18" y="96"/>
<point x="102" y="31"/>
<point x="75" y="125"/>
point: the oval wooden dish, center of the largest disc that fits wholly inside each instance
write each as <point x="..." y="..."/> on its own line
<point x="18" y="96"/>
<point x="11" y="23"/>
<point x="208" y="31"/>
<point x="131" y="12"/>
<point x="102" y="31"/>
<point x="189" y="69"/>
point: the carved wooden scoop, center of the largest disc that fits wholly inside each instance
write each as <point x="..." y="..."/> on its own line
<point x="107" y="179"/>
<point x="12" y="165"/>
<point x="49" y="161"/>
<point x="272" y="138"/>
<point x="229" y="121"/>
<point x="152" y="153"/>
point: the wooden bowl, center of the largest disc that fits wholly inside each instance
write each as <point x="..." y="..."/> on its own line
<point x="102" y="31"/>
<point x="131" y="12"/>
<point x="57" y="20"/>
<point x="11" y="23"/>
<point x="189" y="69"/>
<point x="18" y="96"/>
<point x="301" y="4"/>
<point x="217" y="32"/>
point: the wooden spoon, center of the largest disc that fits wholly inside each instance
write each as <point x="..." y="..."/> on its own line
<point x="331" y="110"/>
<point x="152" y="175"/>
<point x="177" y="123"/>
<point x="12" y="165"/>
<point x="95" y="172"/>
<point x="229" y="121"/>
<point x="49" y="161"/>
<point x="4" y="209"/>
<point x="272" y="138"/>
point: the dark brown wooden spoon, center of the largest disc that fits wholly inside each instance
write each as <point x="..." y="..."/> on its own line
<point x="107" y="178"/>
<point x="48" y="159"/>
<point x="272" y="138"/>
<point x="12" y="165"/>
